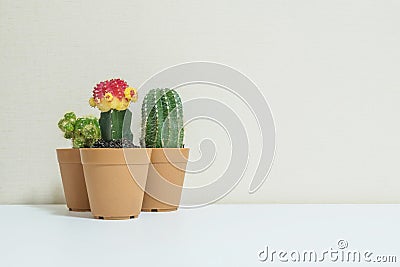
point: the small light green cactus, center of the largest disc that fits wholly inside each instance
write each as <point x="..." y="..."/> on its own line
<point x="82" y="131"/>
<point x="162" y="119"/>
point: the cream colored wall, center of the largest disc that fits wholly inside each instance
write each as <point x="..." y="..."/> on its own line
<point x="329" y="69"/>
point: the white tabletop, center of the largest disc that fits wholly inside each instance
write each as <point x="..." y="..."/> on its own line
<point x="216" y="235"/>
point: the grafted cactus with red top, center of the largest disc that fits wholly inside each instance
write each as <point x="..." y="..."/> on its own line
<point x="112" y="98"/>
<point x="113" y="94"/>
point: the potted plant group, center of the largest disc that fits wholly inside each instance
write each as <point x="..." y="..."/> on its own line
<point x="83" y="132"/>
<point x="115" y="169"/>
<point x="162" y="130"/>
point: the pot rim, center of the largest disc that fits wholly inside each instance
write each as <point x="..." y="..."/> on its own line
<point x="115" y="156"/>
<point x="111" y="148"/>
<point x="169" y="148"/>
<point x="68" y="155"/>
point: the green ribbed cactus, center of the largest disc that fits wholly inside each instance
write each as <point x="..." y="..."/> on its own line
<point x="162" y="119"/>
<point x="83" y="131"/>
<point x="115" y="125"/>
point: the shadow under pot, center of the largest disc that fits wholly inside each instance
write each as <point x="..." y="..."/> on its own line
<point x="165" y="179"/>
<point x="73" y="180"/>
<point x="115" y="180"/>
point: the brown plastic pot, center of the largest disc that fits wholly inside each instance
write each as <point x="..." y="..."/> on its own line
<point x="165" y="179"/>
<point x="115" y="180"/>
<point x="73" y="180"/>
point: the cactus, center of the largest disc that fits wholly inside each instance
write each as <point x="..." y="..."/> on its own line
<point x="162" y="119"/>
<point x="115" y="125"/>
<point x="112" y="98"/>
<point x="82" y="131"/>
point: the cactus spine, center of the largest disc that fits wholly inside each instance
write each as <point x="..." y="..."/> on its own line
<point x="162" y="119"/>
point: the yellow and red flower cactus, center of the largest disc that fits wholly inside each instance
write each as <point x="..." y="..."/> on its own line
<point x="113" y="94"/>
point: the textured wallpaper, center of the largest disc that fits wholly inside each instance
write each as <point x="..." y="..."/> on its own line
<point x="329" y="72"/>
